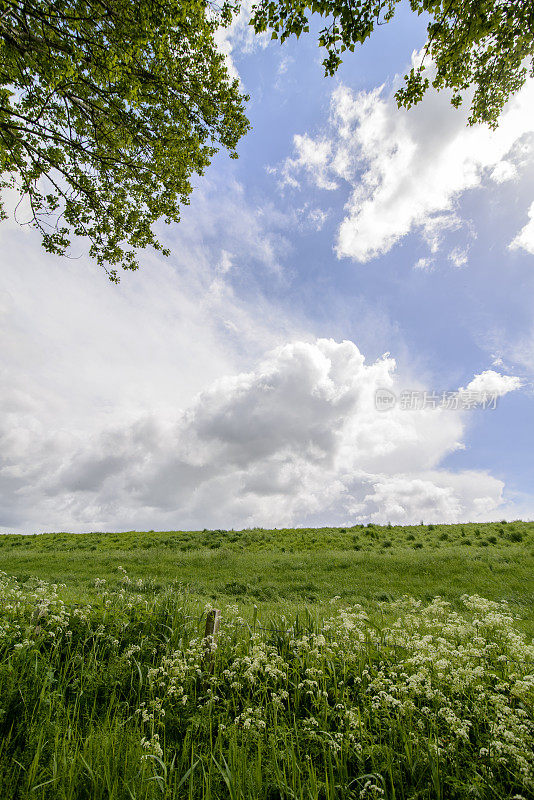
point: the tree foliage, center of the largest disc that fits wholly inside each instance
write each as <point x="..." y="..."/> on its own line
<point x="107" y="110"/>
<point x="485" y="45"/>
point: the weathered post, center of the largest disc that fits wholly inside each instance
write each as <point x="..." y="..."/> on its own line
<point x="210" y="634"/>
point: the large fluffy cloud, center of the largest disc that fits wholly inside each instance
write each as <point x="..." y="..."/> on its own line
<point x="407" y="169"/>
<point x="81" y="356"/>
<point x="435" y="496"/>
<point x="297" y="439"/>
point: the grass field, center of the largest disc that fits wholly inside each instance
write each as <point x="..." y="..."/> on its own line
<point x="296" y="566"/>
<point x="337" y="673"/>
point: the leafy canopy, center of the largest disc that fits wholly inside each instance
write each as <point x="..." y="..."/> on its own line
<point x="107" y="110"/>
<point x="109" y="107"/>
<point x="487" y="45"/>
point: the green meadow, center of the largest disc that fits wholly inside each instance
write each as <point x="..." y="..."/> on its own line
<point x="355" y="663"/>
<point x="298" y="566"/>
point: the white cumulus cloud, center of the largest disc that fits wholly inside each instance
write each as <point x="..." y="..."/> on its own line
<point x="492" y="382"/>
<point x="406" y="170"/>
<point x="295" y="440"/>
<point x="433" y="497"/>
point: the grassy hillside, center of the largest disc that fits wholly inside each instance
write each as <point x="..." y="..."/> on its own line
<point x="327" y="682"/>
<point x="299" y="566"/>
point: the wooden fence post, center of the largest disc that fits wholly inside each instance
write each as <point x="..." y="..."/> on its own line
<point x="210" y="634"/>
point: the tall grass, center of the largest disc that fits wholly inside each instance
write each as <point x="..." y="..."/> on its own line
<point x="119" y="699"/>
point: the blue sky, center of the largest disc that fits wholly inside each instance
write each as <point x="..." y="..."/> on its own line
<point x="352" y="247"/>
